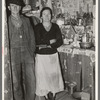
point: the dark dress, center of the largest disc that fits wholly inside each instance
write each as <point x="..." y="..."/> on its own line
<point x="43" y="37"/>
<point x="47" y="67"/>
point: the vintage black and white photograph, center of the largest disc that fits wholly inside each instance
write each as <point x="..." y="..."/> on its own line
<point x="49" y="49"/>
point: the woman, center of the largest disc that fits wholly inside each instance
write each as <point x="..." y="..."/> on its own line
<point x="47" y="68"/>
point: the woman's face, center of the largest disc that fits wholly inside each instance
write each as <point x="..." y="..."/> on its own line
<point x="14" y="8"/>
<point x="46" y="16"/>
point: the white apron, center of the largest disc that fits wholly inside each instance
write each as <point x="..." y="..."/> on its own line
<point x="48" y="74"/>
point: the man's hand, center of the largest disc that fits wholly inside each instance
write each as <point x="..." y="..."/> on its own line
<point x="26" y="9"/>
<point x="29" y="14"/>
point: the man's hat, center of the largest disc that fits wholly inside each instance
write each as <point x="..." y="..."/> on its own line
<point x="17" y="2"/>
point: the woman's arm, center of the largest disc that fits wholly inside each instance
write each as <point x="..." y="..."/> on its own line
<point x="55" y="43"/>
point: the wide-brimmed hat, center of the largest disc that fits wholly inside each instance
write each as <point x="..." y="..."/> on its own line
<point x="17" y="2"/>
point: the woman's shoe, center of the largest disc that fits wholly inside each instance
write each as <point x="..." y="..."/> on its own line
<point x="50" y="96"/>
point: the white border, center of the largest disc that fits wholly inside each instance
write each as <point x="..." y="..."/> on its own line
<point x="96" y="51"/>
<point x="3" y="10"/>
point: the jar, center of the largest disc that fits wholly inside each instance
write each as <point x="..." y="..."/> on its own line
<point x="85" y="38"/>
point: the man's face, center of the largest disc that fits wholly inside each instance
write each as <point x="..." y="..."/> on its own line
<point x="14" y="8"/>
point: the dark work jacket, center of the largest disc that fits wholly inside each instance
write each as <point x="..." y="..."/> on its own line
<point x="27" y="33"/>
<point x="43" y="37"/>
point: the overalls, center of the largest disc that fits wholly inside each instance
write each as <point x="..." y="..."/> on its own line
<point x="22" y="63"/>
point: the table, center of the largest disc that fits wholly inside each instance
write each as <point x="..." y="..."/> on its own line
<point x="78" y="67"/>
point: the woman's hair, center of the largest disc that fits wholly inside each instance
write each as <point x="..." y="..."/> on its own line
<point x="46" y="8"/>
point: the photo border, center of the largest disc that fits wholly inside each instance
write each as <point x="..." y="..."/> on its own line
<point x="98" y="49"/>
<point x="1" y="50"/>
<point x="96" y="52"/>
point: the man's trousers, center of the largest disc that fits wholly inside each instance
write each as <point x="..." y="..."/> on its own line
<point x="22" y="64"/>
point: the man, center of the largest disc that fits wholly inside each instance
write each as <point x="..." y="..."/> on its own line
<point x="22" y="47"/>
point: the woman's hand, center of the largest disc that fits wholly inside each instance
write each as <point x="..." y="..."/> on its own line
<point x="52" y="41"/>
<point x="43" y="46"/>
<point x="49" y="46"/>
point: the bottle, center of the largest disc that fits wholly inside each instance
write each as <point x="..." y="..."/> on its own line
<point x="84" y="38"/>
